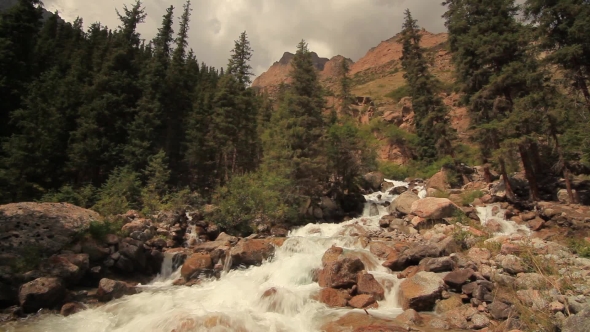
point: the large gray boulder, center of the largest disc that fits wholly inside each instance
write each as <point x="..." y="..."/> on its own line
<point x="44" y="227"/>
<point x="41" y="293"/>
<point x="403" y="203"/>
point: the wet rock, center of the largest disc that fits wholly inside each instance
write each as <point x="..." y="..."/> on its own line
<point x="404" y="202"/>
<point x="72" y="308"/>
<point x="421" y="291"/>
<point x="398" y="190"/>
<point x="536" y="224"/>
<point x="341" y="273"/>
<point x="368" y="285"/>
<point x="279" y="231"/>
<point x="363" y="301"/>
<point x="437" y="323"/>
<point x="332" y="255"/>
<point x="196" y="264"/>
<point x="41" y="293"/>
<point x="410" y="317"/>
<point x="109" y="289"/>
<point x="412" y="256"/>
<point x="456" y="279"/>
<point x="373" y="210"/>
<point x="223" y="237"/>
<point x="380" y="249"/>
<point x="385" y="186"/>
<point x="252" y="252"/>
<point x="332" y="297"/>
<point x="434" y="208"/>
<point x="374" y="180"/>
<point x="210" y="246"/>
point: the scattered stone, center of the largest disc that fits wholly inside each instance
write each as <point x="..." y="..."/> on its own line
<point x="403" y="203"/>
<point x="500" y="310"/>
<point x="441" y="264"/>
<point x="579" y="322"/>
<point x="363" y="301"/>
<point x="421" y="291"/>
<point x="479" y="321"/>
<point x="456" y="279"/>
<point x="410" y="317"/>
<point x="196" y="264"/>
<point x="341" y="273"/>
<point x="513" y="265"/>
<point x="252" y="252"/>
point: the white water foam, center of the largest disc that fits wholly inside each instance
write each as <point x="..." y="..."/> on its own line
<point x="494" y="213"/>
<point x="237" y="301"/>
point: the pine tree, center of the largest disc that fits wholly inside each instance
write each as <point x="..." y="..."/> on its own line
<point x="345" y="84"/>
<point x="294" y="144"/>
<point x="563" y="33"/>
<point x="239" y="62"/>
<point x="432" y="124"/>
<point x="145" y="128"/>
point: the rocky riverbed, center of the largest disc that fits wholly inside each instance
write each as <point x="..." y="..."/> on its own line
<point x="415" y="260"/>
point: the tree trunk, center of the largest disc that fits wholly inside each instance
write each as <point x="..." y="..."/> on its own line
<point x="568" y="185"/>
<point x="509" y="193"/>
<point x="486" y="174"/>
<point x="535" y="156"/>
<point x="529" y="173"/>
<point x="583" y="88"/>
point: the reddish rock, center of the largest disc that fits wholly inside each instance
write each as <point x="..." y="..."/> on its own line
<point x="403" y="203"/>
<point x="536" y="224"/>
<point x="421" y="291"/>
<point x="380" y="249"/>
<point x="109" y="289"/>
<point x="41" y="293"/>
<point x="434" y="208"/>
<point x="71" y="308"/>
<point x="332" y="297"/>
<point x="252" y="252"/>
<point x="332" y="255"/>
<point x="368" y="285"/>
<point x="196" y="264"/>
<point x="458" y="278"/>
<point x="438" y="181"/>
<point x="341" y="273"/>
<point x="410" y="317"/>
<point x="510" y="249"/>
<point x="60" y="267"/>
<point x="363" y="301"/>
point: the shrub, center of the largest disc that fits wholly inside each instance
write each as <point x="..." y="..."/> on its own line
<point x="469" y="196"/>
<point x="84" y="197"/>
<point x="394" y="171"/>
<point x="120" y="193"/>
<point x="399" y="93"/>
<point x="254" y="196"/>
<point x="580" y="246"/>
<point x="99" y="229"/>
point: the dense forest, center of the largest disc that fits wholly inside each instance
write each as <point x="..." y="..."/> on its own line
<point x="102" y="118"/>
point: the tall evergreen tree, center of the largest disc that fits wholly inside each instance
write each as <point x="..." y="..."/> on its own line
<point x="563" y="32"/>
<point x="239" y="62"/>
<point x="345" y="85"/>
<point x="294" y="144"/>
<point x="432" y="124"/>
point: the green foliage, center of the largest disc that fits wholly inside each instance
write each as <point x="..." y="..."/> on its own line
<point x="266" y="197"/>
<point x="468" y="197"/>
<point x="580" y="247"/>
<point x="84" y="196"/>
<point x="399" y="93"/>
<point x="98" y="230"/>
<point x="393" y="171"/>
<point x="155" y="190"/>
<point x="120" y="193"/>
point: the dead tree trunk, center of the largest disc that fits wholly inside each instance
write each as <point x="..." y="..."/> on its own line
<point x="509" y="193"/>
<point x="529" y="173"/>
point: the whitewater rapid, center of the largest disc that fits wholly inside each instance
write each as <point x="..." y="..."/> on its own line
<point x="237" y="301"/>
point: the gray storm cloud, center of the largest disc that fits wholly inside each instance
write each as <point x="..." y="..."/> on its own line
<point x="331" y="27"/>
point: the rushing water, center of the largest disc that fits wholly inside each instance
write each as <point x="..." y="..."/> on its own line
<point x="494" y="213"/>
<point x="237" y="301"/>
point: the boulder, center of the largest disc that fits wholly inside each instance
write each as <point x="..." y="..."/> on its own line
<point x="564" y="198"/>
<point x="578" y="322"/>
<point x="223" y="237"/>
<point x="60" y="267"/>
<point x="500" y="310"/>
<point x="512" y="264"/>
<point x="421" y="291"/>
<point x="72" y="308"/>
<point x="441" y="264"/>
<point x="374" y="180"/>
<point x="456" y="279"/>
<point x="252" y="252"/>
<point x="385" y="186"/>
<point x="363" y="301"/>
<point x="398" y="190"/>
<point x="434" y="208"/>
<point x="410" y="317"/>
<point x="333" y="297"/>
<point x="44" y="227"/>
<point x="41" y="293"/>
<point x="438" y="181"/>
<point x="341" y="273"/>
<point x="403" y="203"/>
<point x="331" y="255"/>
<point x="196" y="264"/>
<point x="366" y="284"/>
<point x="109" y="289"/>
<point x="380" y="249"/>
<point x="412" y="255"/>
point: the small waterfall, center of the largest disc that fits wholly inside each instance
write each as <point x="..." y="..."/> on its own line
<point x="493" y="213"/>
<point x="276" y="296"/>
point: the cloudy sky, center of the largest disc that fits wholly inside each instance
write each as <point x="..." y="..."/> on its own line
<point x="331" y="27"/>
